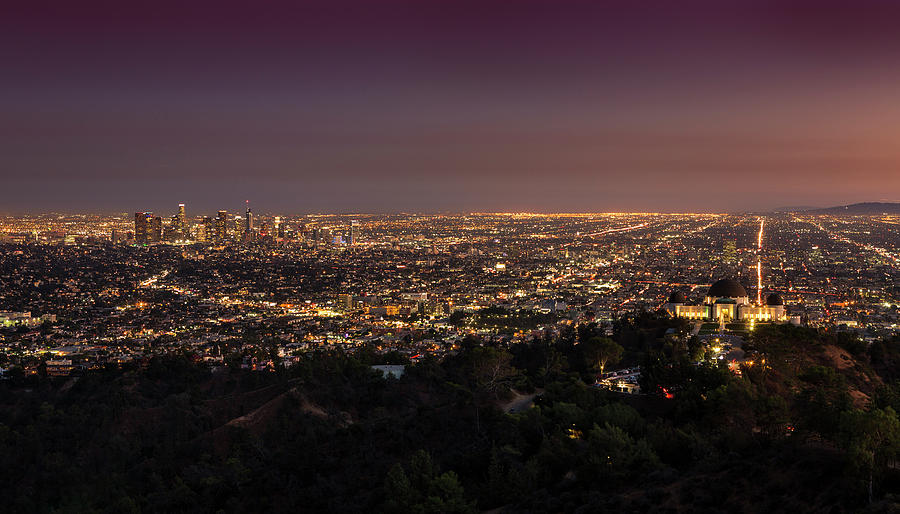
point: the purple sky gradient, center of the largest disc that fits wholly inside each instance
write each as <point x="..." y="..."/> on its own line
<point x="448" y="106"/>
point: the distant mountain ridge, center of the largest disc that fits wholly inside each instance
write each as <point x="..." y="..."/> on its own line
<point x="860" y="208"/>
<point x="797" y="208"/>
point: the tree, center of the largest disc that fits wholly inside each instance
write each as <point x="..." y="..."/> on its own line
<point x="822" y="400"/>
<point x="553" y="363"/>
<point x="612" y="453"/>
<point x="398" y="491"/>
<point x="422" y="470"/>
<point x="492" y="369"/>
<point x="456" y="318"/>
<point x="872" y="439"/>
<point x="425" y="489"/>
<point x="601" y="351"/>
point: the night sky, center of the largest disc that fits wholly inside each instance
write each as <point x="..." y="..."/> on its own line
<point x="382" y="106"/>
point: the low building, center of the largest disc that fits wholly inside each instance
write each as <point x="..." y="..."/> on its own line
<point x="391" y="370"/>
<point x="59" y="368"/>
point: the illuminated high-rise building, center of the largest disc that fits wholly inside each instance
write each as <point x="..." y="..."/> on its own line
<point x="236" y="226"/>
<point x="354" y="232"/>
<point x="171" y="232"/>
<point x="221" y="226"/>
<point x="118" y="236"/>
<point x="142" y="227"/>
<point x="207" y="230"/>
<point x="156" y="230"/>
<point x="729" y="252"/>
<point x="180" y="223"/>
<point x="248" y="219"/>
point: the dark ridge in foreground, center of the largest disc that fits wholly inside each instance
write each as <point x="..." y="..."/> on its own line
<point x="812" y="427"/>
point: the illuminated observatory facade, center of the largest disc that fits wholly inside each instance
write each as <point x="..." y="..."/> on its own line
<point x="726" y="300"/>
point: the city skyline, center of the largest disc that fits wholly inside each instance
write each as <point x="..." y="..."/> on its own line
<point x="432" y="107"/>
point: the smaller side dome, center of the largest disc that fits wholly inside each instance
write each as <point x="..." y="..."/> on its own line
<point x="677" y="297"/>
<point x="774" y="300"/>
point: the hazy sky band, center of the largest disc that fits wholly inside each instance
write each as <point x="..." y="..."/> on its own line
<point x="382" y="106"/>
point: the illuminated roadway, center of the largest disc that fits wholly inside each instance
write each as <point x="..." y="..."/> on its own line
<point x="762" y="222"/>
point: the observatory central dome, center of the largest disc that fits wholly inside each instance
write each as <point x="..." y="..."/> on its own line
<point x="727" y="288"/>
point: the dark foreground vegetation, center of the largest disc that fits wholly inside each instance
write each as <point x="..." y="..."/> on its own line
<point x="812" y="428"/>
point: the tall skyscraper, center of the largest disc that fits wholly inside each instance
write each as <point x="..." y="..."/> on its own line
<point x="156" y="230"/>
<point x="222" y="226"/>
<point x="248" y="219"/>
<point x="180" y="223"/>
<point x="354" y="232"/>
<point x="278" y="232"/>
<point x="142" y="227"/>
<point x="118" y="236"/>
<point x="207" y="230"/>
<point x="172" y="232"/>
<point x="237" y="226"/>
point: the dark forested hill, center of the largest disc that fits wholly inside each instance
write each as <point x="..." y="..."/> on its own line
<point x="795" y="432"/>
